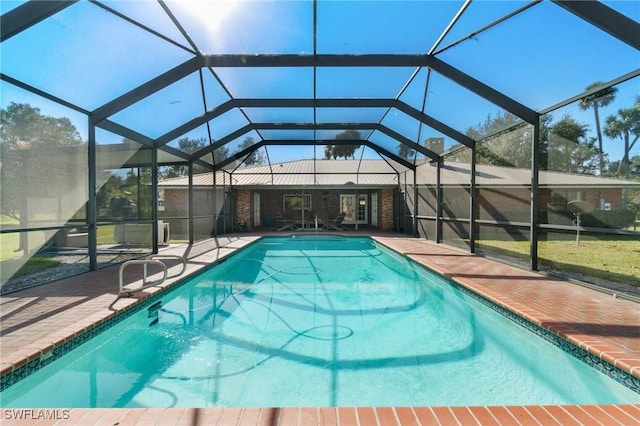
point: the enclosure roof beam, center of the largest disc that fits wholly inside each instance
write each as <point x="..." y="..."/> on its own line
<point x="126" y="132"/>
<point x="195" y="122"/>
<point x="29" y="14"/>
<point x="358" y="103"/>
<point x="146" y="89"/>
<point x="42" y="93"/>
<point x="304" y="142"/>
<point x="317" y="60"/>
<point x="364" y="142"/>
<point x="176" y="152"/>
<point x="349" y="126"/>
<point x="485" y="91"/>
<point x="316" y="126"/>
<point x="245" y="61"/>
<point x="607" y="19"/>
<point x="315" y="103"/>
<point x="239" y="155"/>
<point x="376" y="60"/>
<point x="436" y="124"/>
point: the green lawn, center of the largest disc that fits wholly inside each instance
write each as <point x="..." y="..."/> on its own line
<point x="34" y="264"/>
<point x="612" y="258"/>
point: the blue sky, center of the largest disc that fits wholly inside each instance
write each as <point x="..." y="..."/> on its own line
<point x="539" y="58"/>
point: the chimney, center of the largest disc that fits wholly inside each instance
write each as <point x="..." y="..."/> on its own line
<point x="435" y="144"/>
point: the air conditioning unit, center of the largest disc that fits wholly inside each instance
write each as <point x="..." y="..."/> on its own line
<point x="164" y="233"/>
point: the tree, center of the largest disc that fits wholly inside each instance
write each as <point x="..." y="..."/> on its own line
<point x="567" y="148"/>
<point x="256" y="157"/>
<point x="624" y="125"/>
<point x="563" y="145"/>
<point x="598" y="99"/>
<point x="341" y="150"/>
<point x="42" y="161"/>
<point x="22" y="123"/>
<point x="190" y="146"/>
<point x="509" y="145"/>
<point x="28" y="138"/>
<point x="492" y="125"/>
<point x="329" y="152"/>
<point x="405" y="151"/>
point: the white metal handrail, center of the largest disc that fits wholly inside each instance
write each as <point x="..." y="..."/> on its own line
<point x="170" y="256"/>
<point x="145" y="263"/>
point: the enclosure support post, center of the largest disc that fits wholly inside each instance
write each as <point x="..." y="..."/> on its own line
<point x="415" y="204"/>
<point x="472" y="201"/>
<point x="92" y="208"/>
<point x="438" y="201"/>
<point x="191" y="221"/>
<point x="154" y="200"/>
<point x="396" y="204"/>
<point x="405" y="202"/>
<point x="533" y="225"/>
<point x="215" y="204"/>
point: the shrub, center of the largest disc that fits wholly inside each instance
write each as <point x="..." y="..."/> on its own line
<point x="613" y="219"/>
<point x="617" y="219"/>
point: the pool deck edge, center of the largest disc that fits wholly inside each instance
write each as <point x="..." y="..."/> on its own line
<point x="618" y="355"/>
<point x="25" y="340"/>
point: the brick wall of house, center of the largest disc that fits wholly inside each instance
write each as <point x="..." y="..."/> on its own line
<point x="513" y="203"/>
<point x="503" y="204"/>
<point x="386" y="209"/>
<point x="324" y="203"/>
<point x="244" y="203"/>
<point x="175" y="200"/>
<point x="509" y="204"/>
<point x="613" y="196"/>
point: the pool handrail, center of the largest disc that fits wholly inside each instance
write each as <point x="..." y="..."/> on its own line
<point x="145" y="262"/>
<point x="151" y="259"/>
<point x="170" y="256"/>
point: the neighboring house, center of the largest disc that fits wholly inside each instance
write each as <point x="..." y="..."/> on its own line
<point x="373" y="194"/>
<point x="503" y="193"/>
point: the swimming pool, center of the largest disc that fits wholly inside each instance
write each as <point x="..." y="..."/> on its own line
<point x="327" y="321"/>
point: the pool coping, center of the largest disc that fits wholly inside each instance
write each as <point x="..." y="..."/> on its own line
<point x="557" y="337"/>
<point x="15" y="368"/>
<point x="537" y="322"/>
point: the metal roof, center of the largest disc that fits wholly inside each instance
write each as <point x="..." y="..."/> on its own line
<point x="378" y="174"/>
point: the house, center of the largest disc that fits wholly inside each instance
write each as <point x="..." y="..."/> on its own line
<point x="378" y="194"/>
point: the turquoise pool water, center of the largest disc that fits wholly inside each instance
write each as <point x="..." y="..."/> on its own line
<point x="309" y="321"/>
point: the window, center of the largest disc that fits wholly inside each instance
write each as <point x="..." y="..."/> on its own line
<point x="297" y="202"/>
<point x="559" y="199"/>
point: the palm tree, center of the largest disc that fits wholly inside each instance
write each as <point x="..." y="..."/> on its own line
<point x="598" y="99"/>
<point x="405" y="151"/>
<point x="346" y="151"/>
<point x="330" y="151"/>
<point x="626" y="123"/>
